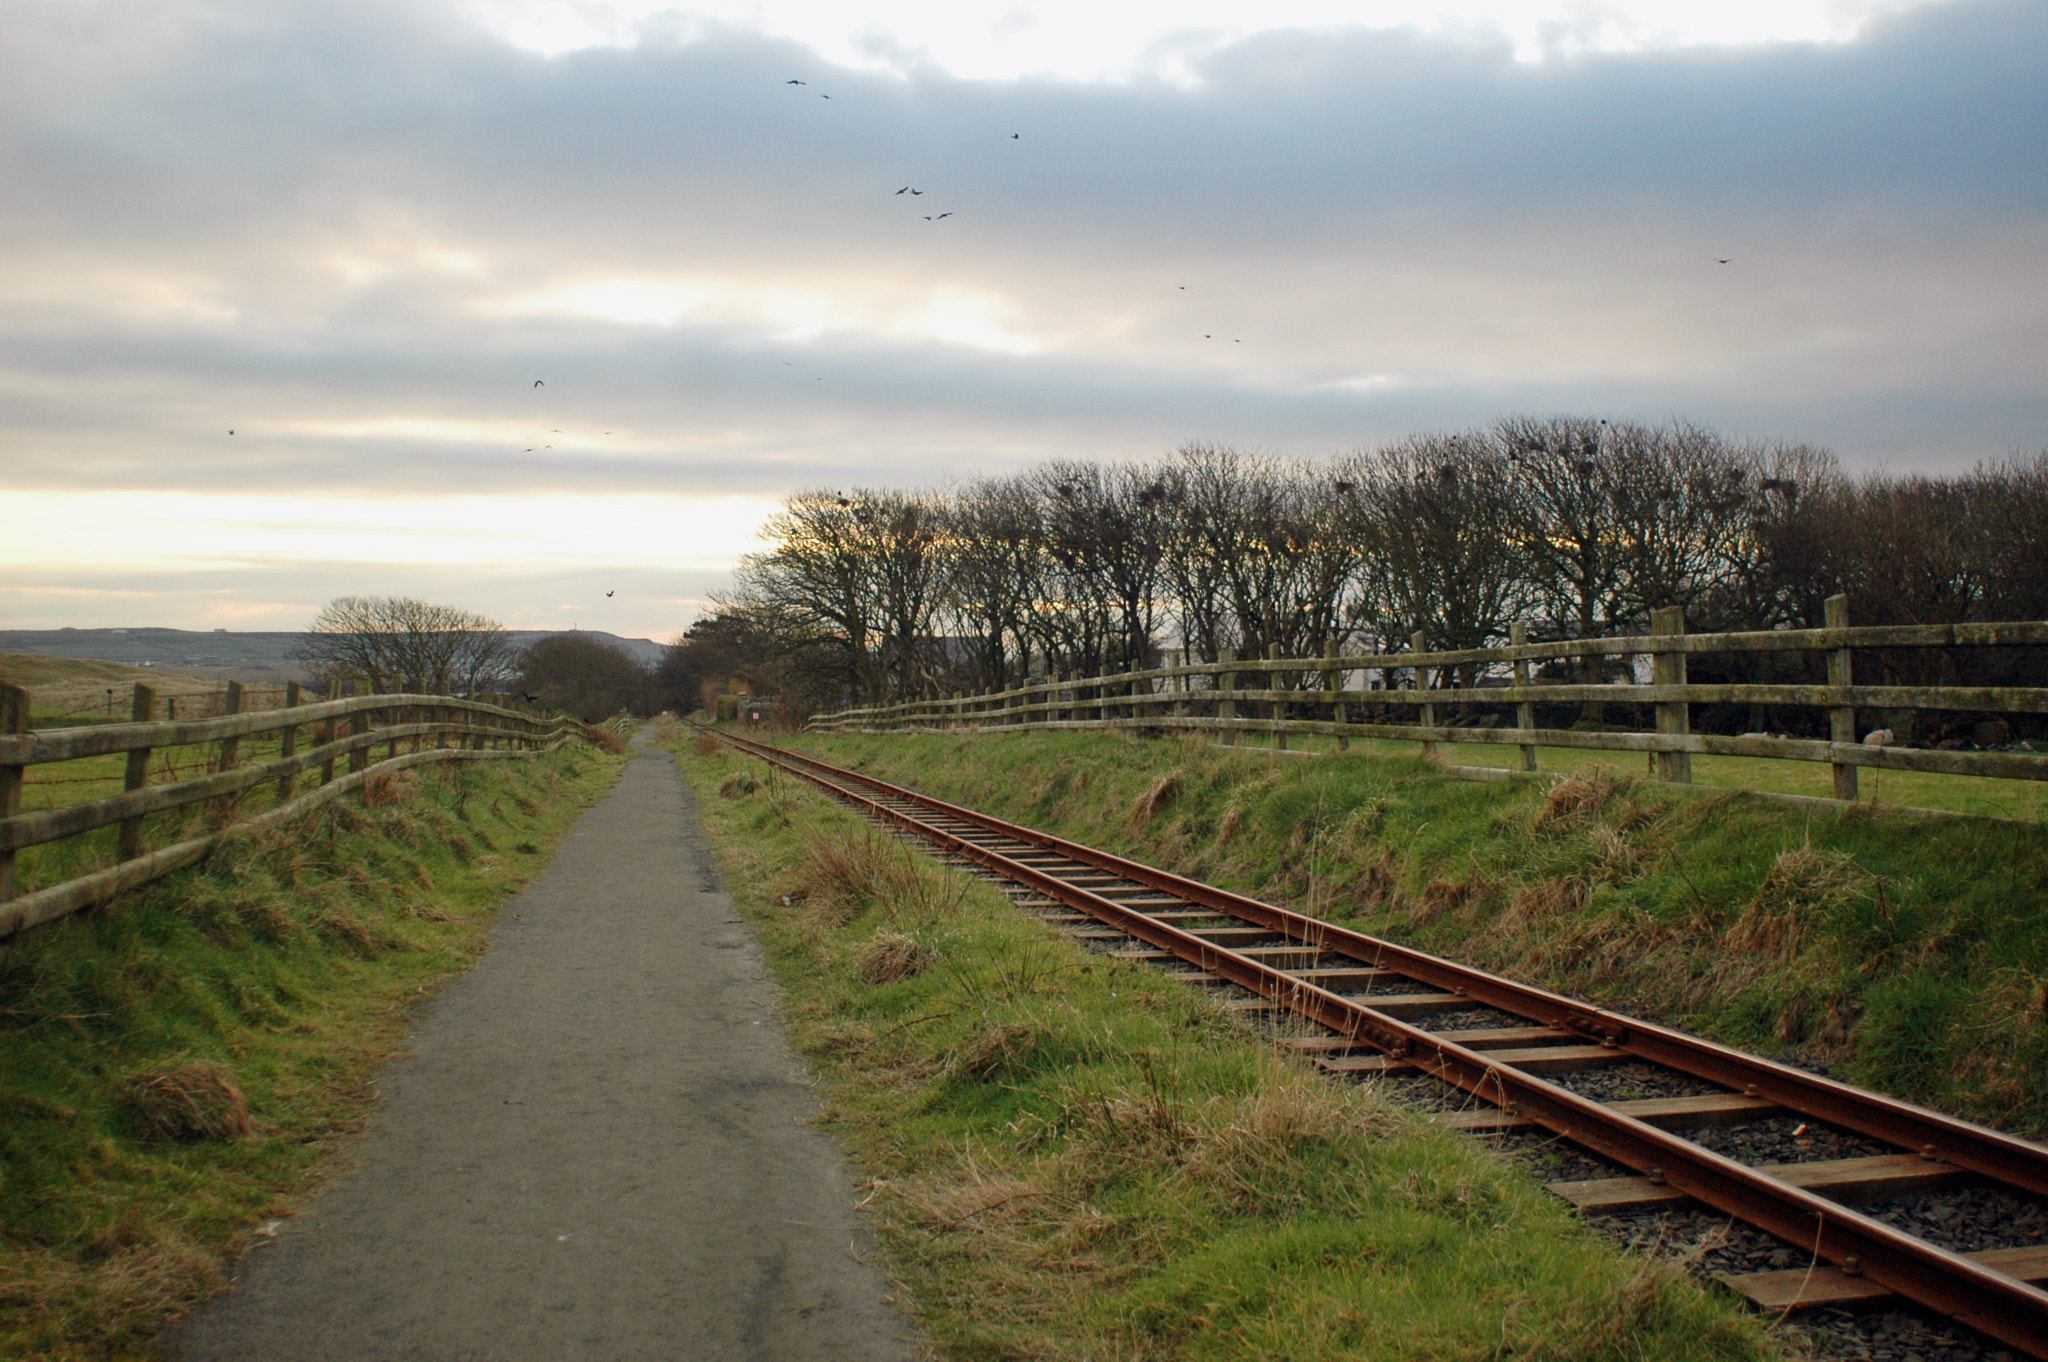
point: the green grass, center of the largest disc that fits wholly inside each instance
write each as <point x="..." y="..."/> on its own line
<point x="1978" y="796"/>
<point x="1907" y="954"/>
<point x="288" y="960"/>
<point x="1073" y="1157"/>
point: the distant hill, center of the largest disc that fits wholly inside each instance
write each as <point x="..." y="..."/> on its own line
<point x="242" y="651"/>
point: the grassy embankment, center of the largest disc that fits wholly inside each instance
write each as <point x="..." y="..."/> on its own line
<point x="2020" y="799"/>
<point x="1908" y="954"/>
<point x="1073" y="1157"/>
<point x="177" y="1067"/>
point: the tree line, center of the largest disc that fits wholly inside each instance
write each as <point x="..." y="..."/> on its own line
<point x="400" y="644"/>
<point x="1575" y="526"/>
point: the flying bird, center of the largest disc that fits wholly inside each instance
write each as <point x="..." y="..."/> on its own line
<point x="231" y="432"/>
<point x="916" y="192"/>
<point x="538" y="384"/>
<point x="824" y="96"/>
<point x="904" y="190"/>
<point x="797" y="82"/>
<point x="1722" y="262"/>
<point x="1015" y="136"/>
<point x="946" y="214"/>
<point x="609" y="594"/>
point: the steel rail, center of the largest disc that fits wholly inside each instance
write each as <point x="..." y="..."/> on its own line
<point x="1990" y="1153"/>
<point x="1991" y="1302"/>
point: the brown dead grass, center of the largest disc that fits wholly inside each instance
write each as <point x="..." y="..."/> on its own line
<point x="1803" y="883"/>
<point x="891" y="957"/>
<point x="1161" y="793"/>
<point x="192" y="1099"/>
<point x="1579" y="798"/>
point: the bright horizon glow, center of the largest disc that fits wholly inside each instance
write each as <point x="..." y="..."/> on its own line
<point x="1079" y="40"/>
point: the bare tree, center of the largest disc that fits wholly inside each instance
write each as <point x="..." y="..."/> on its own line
<point x="400" y="643"/>
<point x="1430" y="513"/>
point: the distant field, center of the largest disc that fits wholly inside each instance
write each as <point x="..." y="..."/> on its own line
<point x="72" y="690"/>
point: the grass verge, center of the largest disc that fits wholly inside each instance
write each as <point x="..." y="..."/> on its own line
<point x="1073" y="1157"/>
<point x="177" y="1067"/>
<point x="1902" y="953"/>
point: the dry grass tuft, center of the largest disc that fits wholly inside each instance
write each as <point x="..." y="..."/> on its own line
<point x="739" y="785"/>
<point x="891" y="957"/>
<point x="707" y="745"/>
<point x="1148" y="804"/>
<point x="1273" y="1126"/>
<point x="1578" y="798"/>
<point x="380" y="792"/>
<point x="191" y="1100"/>
<point x="350" y="932"/>
<point x="999" y="1052"/>
<point x="1804" y="884"/>
<point x="846" y="872"/>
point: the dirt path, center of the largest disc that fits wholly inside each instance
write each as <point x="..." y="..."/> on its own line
<point x="594" y="1152"/>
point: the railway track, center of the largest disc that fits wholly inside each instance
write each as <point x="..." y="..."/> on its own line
<point x="1359" y="1005"/>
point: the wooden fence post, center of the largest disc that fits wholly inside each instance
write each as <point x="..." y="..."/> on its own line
<point x="1841" y="672"/>
<point x="1334" y="684"/>
<point x="288" y="741"/>
<point x="359" y="760"/>
<point x="1525" y="710"/>
<point x="1139" y="713"/>
<point x="1279" y="706"/>
<point x="1673" y="716"/>
<point x="328" y="730"/>
<point x="13" y="719"/>
<point x="1427" y="711"/>
<point x="1227" y="709"/>
<point x="230" y="747"/>
<point x="1179" y="685"/>
<point x="138" y="773"/>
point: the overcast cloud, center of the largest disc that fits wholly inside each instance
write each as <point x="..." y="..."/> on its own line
<point x="357" y="235"/>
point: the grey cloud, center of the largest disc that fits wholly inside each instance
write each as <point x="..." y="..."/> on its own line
<point x="1361" y="202"/>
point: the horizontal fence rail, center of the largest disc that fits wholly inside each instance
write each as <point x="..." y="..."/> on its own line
<point x="1282" y="696"/>
<point x="436" y="728"/>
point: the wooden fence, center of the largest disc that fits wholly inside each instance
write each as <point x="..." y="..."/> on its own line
<point x="1282" y="696"/>
<point x="428" y="728"/>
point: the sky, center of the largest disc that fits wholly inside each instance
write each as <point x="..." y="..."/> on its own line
<point x="511" y="304"/>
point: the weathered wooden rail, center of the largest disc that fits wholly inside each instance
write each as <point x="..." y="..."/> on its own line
<point x="430" y="727"/>
<point x="1282" y="696"/>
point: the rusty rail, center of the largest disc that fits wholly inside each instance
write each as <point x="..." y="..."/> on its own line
<point x="1958" y="1286"/>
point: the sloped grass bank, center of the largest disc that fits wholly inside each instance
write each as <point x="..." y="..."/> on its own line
<point x="177" y="1067"/>
<point x="1906" y="954"/>
<point x="1072" y="1157"/>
